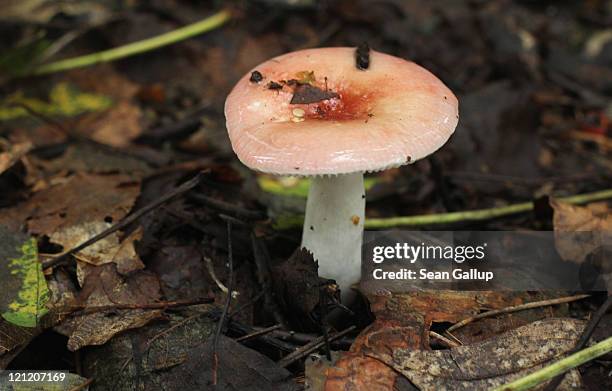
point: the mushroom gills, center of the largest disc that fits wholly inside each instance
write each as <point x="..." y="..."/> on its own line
<point x="333" y="228"/>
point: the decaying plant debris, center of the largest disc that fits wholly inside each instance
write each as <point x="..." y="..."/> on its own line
<point x="137" y="150"/>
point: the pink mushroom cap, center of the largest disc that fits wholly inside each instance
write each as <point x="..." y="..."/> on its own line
<point x="393" y="113"/>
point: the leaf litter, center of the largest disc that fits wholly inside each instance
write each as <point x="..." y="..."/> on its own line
<point x="502" y="58"/>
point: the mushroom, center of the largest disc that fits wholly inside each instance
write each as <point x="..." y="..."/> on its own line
<point x="334" y="114"/>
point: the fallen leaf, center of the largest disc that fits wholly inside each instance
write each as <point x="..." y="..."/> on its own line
<point x="490" y="363"/>
<point x="11" y="154"/>
<point x="315" y="370"/>
<point x="64" y="100"/>
<point x="103" y="286"/>
<point x="85" y="205"/>
<point x="24" y="293"/>
<point x="149" y="357"/>
<point x="12" y="338"/>
<point x="239" y="368"/>
<point x="403" y="322"/>
<point x="580" y="230"/>
<point x="118" y="126"/>
<point x="84" y="157"/>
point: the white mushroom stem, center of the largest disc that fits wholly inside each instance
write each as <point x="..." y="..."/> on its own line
<point x="333" y="227"/>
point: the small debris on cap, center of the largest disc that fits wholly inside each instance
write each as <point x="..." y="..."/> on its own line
<point x="299" y="113"/>
<point x="274" y="86"/>
<point x="305" y="77"/>
<point x="362" y="56"/>
<point x="355" y="219"/>
<point x="256" y="77"/>
<point x="305" y="94"/>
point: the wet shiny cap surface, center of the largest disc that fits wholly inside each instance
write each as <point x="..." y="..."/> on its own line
<point x="342" y="119"/>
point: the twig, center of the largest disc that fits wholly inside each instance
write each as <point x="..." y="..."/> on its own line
<point x="258" y="333"/>
<point x="443" y="339"/>
<point x="228" y="208"/>
<point x="213" y="275"/>
<point x="311" y="347"/>
<point x="454" y="217"/>
<point x="303" y="338"/>
<point x="185" y="187"/>
<point x="507" y="310"/>
<point x="230" y="286"/>
<point x="240" y="328"/>
<point x="83" y="310"/>
<point x="584" y="338"/>
<point x="208" y="24"/>
<point x="561" y="366"/>
<point x="478" y="215"/>
<point x="261" y="256"/>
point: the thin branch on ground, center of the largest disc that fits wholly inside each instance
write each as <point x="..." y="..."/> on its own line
<point x="303" y="338"/>
<point x="516" y="308"/>
<point x="480" y="214"/>
<point x="228" y="301"/>
<point x="185" y="187"/>
<point x="259" y="333"/>
<point x="448" y="342"/>
<point x="454" y="217"/>
<point x="85" y="310"/>
<point x="146" y="45"/>
<point x="213" y="275"/>
<point x="230" y="209"/>
<point x="243" y="329"/>
<point x="311" y="347"/>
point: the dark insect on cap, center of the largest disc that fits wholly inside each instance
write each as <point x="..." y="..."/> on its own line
<point x="256" y="77"/>
<point x="362" y="56"/>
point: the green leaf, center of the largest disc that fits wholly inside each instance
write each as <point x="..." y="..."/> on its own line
<point x="64" y="101"/>
<point x="25" y="293"/>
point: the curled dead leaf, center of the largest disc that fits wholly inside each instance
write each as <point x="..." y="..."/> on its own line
<point x="491" y="363"/>
<point x="580" y="230"/>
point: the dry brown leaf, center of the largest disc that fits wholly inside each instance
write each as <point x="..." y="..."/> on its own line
<point x="85" y="157"/>
<point x="580" y="230"/>
<point x="490" y="363"/>
<point x="119" y="126"/>
<point x="11" y="154"/>
<point x="13" y="337"/>
<point x="81" y="198"/>
<point x="103" y="286"/>
<point x="72" y="212"/>
<point x="402" y="322"/>
<point x="104" y="80"/>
